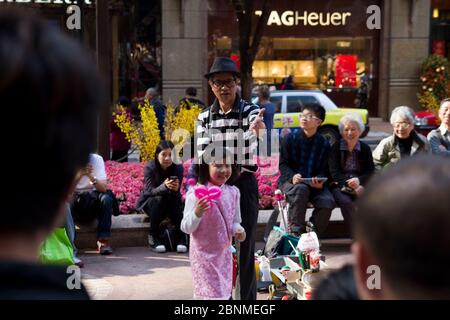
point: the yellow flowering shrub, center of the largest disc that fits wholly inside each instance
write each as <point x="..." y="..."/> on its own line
<point x="169" y="121"/>
<point x="185" y="119"/>
<point x="145" y="135"/>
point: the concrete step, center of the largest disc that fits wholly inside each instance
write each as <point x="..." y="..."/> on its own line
<point x="131" y="230"/>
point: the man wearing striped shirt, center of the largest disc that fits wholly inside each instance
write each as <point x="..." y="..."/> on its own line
<point x="235" y="124"/>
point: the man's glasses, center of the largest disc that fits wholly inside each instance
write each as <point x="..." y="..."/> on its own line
<point x="308" y="116"/>
<point x="403" y="125"/>
<point x="229" y="83"/>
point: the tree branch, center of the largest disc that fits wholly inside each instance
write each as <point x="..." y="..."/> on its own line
<point x="245" y="27"/>
<point x="262" y="22"/>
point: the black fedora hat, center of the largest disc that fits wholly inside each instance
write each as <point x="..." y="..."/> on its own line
<point x="223" y="65"/>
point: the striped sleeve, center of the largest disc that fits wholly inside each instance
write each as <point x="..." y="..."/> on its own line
<point x="203" y="139"/>
<point x="251" y="110"/>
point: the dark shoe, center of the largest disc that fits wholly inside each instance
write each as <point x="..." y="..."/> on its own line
<point x="156" y="245"/>
<point x="103" y="247"/>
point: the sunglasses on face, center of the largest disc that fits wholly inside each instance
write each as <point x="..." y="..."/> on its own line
<point x="229" y="83"/>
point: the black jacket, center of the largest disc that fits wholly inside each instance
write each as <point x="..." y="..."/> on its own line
<point x="154" y="182"/>
<point x="336" y="163"/>
<point x="23" y="281"/>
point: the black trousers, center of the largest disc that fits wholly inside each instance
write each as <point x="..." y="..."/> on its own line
<point x="96" y="205"/>
<point x="298" y="196"/>
<point x="345" y="202"/>
<point x="248" y="186"/>
<point x="161" y="207"/>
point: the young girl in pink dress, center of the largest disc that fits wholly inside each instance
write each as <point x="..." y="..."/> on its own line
<point x="212" y="225"/>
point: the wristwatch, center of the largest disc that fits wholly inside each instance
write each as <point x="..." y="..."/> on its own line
<point x="94" y="182"/>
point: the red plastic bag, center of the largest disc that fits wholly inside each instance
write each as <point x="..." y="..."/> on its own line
<point x="234" y="270"/>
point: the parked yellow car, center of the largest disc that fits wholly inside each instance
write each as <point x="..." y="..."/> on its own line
<point x="288" y="104"/>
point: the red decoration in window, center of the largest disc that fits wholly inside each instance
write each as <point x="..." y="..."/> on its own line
<point x="346" y="70"/>
<point x="439" y="47"/>
<point x="237" y="59"/>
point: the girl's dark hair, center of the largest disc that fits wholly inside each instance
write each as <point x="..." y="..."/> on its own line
<point x="224" y="154"/>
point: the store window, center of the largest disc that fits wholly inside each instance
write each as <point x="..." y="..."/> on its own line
<point x="341" y="59"/>
<point x="320" y="63"/>
<point x="440" y="28"/>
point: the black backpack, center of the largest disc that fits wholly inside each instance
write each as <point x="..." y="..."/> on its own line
<point x="168" y="237"/>
<point x="85" y="207"/>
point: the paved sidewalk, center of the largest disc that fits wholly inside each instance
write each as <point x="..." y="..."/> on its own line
<point x="140" y="274"/>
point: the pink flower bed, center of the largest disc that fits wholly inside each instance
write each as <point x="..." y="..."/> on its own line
<point x="128" y="178"/>
<point x="267" y="184"/>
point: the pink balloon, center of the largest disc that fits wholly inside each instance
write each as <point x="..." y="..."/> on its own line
<point x="201" y="191"/>
<point x="212" y="193"/>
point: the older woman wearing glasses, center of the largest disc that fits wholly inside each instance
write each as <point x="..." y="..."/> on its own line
<point x="404" y="142"/>
<point x="350" y="164"/>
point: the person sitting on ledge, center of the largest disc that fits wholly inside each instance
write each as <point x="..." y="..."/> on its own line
<point x="161" y="197"/>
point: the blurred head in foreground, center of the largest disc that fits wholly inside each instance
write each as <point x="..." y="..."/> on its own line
<point x="50" y="93"/>
<point x="402" y="238"/>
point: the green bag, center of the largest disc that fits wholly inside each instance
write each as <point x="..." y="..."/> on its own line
<point x="57" y="249"/>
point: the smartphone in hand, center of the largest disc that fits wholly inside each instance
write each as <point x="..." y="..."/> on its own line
<point x="174" y="178"/>
<point x="309" y="180"/>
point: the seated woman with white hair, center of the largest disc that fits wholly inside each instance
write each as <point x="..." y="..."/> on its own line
<point x="404" y="141"/>
<point x="350" y="164"/>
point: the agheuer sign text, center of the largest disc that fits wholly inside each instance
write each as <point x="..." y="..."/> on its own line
<point x="305" y="18"/>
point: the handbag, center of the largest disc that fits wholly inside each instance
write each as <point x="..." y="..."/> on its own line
<point x="57" y="249"/>
<point x="85" y="207"/>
